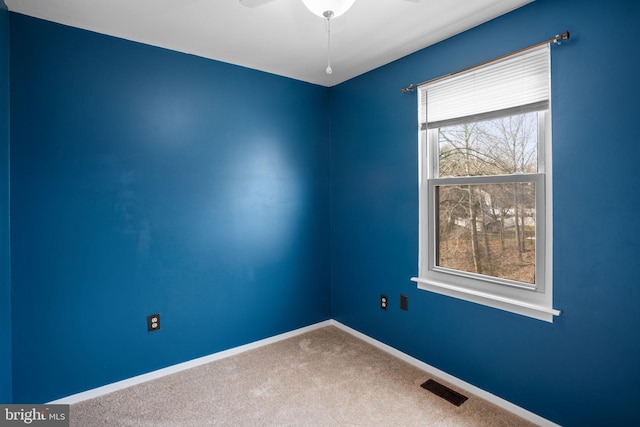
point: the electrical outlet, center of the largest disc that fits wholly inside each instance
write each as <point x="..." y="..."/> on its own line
<point x="384" y="302"/>
<point x="404" y="302"/>
<point x="153" y="322"/>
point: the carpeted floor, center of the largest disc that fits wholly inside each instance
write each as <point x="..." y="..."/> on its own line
<point x="325" y="377"/>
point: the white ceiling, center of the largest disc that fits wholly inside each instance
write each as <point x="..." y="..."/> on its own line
<point x="281" y="37"/>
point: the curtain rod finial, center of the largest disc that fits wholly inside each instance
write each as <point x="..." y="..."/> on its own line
<point x="560" y="37"/>
<point x="408" y="88"/>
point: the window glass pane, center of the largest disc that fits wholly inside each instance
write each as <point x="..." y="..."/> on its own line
<point x="487" y="229"/>
<point x="500" y="146"/>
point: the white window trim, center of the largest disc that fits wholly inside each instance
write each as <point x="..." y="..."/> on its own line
<point x="540" y="312"/>
<point x="534" y="303"/>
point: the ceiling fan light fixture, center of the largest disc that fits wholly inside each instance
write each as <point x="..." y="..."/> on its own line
<point x="319" y="7"/>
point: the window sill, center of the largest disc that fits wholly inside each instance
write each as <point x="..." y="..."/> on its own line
<point x="503" y="303"/>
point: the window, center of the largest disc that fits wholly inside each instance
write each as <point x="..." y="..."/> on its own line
<point x="485" y="185"/>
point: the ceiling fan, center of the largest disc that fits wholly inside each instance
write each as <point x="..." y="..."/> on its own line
<point x="309" y="3"/>
<point x="326" y="9"/>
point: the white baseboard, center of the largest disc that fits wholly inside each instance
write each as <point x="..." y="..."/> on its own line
<point x="514" y="409"/>
<point x="110" y="388"/>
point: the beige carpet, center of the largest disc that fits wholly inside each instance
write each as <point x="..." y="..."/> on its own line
<point x="325" y="377"/>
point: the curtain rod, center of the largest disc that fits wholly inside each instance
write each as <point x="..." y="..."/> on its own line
<point x="557" y="39"/>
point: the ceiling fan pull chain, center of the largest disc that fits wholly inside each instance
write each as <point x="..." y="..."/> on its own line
<point x="328" y="14"/>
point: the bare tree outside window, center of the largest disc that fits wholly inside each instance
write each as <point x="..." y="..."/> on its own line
<point x="488" y="229"/>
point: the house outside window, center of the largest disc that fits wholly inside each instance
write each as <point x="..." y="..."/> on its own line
<point x="485" y="185"/>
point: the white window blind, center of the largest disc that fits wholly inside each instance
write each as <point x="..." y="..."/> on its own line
<point x="513" y="82"/>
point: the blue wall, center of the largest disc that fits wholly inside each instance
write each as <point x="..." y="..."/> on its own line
<point x="144" y="181"/>
<point x="583" y="369"/>
<point x="5" y="267"/>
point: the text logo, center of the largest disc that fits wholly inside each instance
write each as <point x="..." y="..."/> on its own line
<point x="34" y="415"/>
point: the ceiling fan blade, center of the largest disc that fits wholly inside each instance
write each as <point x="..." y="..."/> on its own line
<point x="254" y="3"/>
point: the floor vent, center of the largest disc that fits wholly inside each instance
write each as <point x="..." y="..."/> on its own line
<point x="444" y="392"/>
